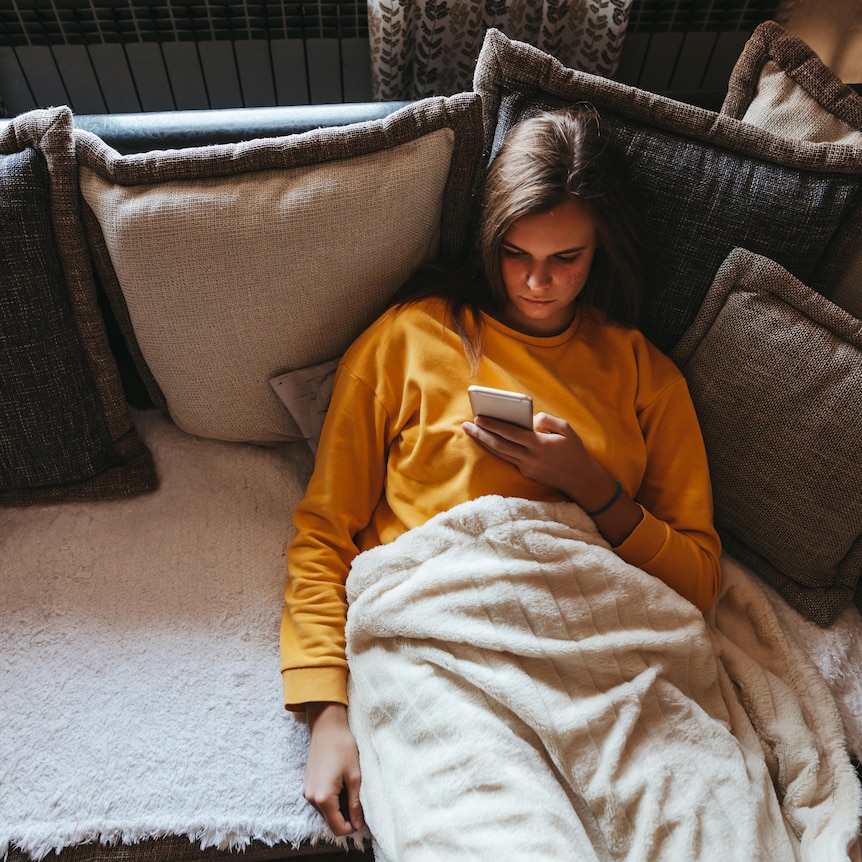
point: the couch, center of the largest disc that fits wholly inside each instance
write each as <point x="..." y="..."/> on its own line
<point x="177" y="289"/>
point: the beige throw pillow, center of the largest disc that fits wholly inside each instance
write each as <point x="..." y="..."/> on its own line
<point x="232" y="264"/>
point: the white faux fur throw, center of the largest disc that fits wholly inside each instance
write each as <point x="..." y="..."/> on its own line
<point x="835" y="651"/>
<point x="519" y="692"/>
<point x="140" y="693"/>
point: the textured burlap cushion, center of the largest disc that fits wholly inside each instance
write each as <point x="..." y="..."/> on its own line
<point x="775" y="372"/>
<point x="779" y="84"/>
<point x="703" y="182"/>
<point x="234" y="263"/>
<point x="65" y="433"/>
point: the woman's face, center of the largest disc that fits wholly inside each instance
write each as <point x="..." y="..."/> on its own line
<point x="545" y="259"/>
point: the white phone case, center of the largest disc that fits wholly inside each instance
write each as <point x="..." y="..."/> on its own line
<point x="514" y="407"/>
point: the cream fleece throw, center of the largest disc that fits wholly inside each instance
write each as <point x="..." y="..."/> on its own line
<point x="140" y="693"/>
<point x="519" y="692"/>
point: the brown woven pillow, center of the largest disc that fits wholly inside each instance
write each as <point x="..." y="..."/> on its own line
<point x="65" y="432"/>
<point x="775" y="372"/>
<point x="235" y="263"/>
<point x="780" y="85"/>
<point x="704" y="183"/>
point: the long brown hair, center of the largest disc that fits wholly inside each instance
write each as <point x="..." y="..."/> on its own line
<point x="544" y="160"/>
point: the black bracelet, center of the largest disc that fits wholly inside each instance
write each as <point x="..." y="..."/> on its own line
<point x="613" y="500"/>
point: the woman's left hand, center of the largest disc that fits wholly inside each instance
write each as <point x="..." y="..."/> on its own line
<point x="552" y="453"/>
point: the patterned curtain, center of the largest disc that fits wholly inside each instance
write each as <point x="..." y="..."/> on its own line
<point x="429" y="47"/>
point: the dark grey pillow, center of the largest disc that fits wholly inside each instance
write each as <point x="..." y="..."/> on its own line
<point x="65" y="432"/>
<point x="704" y="183"/>
<point x="775" y="372"/>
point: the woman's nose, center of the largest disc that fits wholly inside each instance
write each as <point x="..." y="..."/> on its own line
<point x="539" y="276"/>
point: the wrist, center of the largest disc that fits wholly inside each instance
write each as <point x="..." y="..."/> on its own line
<point x="618" y="491"/>
<point x="595" y="488"/>
<point x="325" y="713"/>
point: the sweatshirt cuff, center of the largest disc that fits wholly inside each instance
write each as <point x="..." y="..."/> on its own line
<point x="313" y="685"/>
<point x="645" y="542"/>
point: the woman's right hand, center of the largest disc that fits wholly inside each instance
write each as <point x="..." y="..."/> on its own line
<point x="332" y="773"/>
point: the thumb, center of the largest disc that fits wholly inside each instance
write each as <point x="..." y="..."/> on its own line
<point x="551" y="424"/>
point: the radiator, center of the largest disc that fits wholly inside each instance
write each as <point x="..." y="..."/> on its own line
<point x="114" y="56"/>
<point x="110" y="56"/>
<point x="690" y="45"/>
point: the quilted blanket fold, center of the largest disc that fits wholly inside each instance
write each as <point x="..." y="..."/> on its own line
<point x="518" y="691"/>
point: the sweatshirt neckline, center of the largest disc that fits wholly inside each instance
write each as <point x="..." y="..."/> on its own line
<point x="538" y="340"/>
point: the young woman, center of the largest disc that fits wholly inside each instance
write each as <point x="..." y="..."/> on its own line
<point x="550" y="312"/>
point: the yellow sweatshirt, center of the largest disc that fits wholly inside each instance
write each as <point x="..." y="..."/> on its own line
<point x="393" y="454"/>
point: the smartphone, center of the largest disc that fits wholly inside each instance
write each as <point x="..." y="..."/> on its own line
<point x="514" y="407"/>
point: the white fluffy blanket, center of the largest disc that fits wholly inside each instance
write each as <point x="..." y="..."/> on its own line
<point x="518" y="691"/>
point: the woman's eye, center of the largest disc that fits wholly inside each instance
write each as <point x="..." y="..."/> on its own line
<point x="512" y="252"/>
<point x="567" y="258"/>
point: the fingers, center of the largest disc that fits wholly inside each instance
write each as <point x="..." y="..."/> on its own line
<point x="335" y="820"/>
<point x="502" y="438"/>
<point x="508" y="440"/>
<point x="551" y="454"/>
<point x="341" y="810"/>
<point x="354" y="806"/>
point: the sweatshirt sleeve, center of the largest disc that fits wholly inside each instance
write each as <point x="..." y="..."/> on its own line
<point x="344" y="489"/>
<point x="676" y="540"/>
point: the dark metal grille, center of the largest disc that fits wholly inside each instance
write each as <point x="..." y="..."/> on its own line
<point x="87" y="22"/>
<point x="691" y="16"/>
<point x="84" y="22"/>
